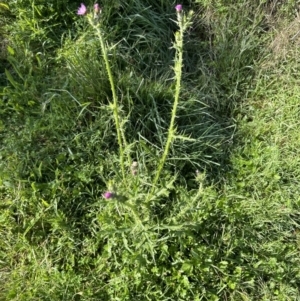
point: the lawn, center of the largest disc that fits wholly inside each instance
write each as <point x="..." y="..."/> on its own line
<point x="150" y="150"/>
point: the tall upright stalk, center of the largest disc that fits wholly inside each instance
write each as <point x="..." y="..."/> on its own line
<point x="114" y="104"/>
<point x="183" y="23"/>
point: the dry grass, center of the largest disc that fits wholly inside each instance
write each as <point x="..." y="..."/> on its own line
<point x="286" y="36"/>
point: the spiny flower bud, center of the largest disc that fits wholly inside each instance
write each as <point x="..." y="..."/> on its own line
<point x="108" y="195"/>
<point x="97" y="8"/>
<point x="178" y="8"/>
<point x="134" y="168"/>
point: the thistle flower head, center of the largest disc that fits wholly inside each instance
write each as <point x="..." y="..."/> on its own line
<point x="108" y="195"/>
<point x="97" y="8"/>
<point x="81" y="10"/>
<point x="178" y="8"/>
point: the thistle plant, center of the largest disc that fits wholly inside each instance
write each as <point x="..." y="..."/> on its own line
<point x="183" y="22"/>
<point x="94" y="21"/>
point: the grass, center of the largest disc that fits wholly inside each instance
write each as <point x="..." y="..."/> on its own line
<point x="222" y="219"/>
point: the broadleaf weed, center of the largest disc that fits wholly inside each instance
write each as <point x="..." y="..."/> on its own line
<point x="206" y="204"/>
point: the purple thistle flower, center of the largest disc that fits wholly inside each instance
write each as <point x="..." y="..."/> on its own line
<point x="178" y="8"/>
<point x="108" y="195"/>
<point x="81" y="10"/>
<point x="97" y="8"/>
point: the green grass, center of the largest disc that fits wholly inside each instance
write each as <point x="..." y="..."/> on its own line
<point x="221" y="222"/>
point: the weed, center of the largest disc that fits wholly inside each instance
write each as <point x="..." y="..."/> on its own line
<point x="122" y="181"/>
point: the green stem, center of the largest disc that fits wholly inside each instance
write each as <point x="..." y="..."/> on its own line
<point x="171" y="130"/>
<point x="113" y="105"/>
